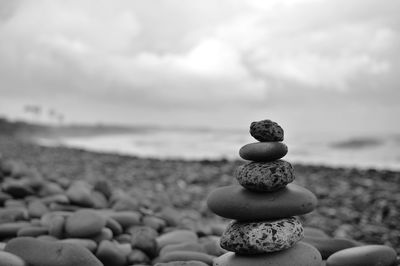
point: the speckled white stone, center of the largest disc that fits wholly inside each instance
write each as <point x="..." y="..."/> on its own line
<point x="261" y="237"/>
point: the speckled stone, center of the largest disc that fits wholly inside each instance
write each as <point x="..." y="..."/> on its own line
<point x="266" y="130"/>
<point x="262" y="237"/>
<point x="300" y="254"/>
<point x="263" y="151"/>
<point x="269" y="176"/>
<point x="237" y="203"/>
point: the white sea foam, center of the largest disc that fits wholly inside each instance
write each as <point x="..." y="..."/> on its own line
<point x="330" y="150"/>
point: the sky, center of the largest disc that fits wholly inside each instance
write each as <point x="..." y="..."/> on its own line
<point x="308" y="64"/>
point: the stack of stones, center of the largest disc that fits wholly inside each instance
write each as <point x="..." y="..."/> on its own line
<point x="265" y="229"/>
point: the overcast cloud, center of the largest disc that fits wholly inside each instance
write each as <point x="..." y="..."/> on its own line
<point x="170" y="61"/>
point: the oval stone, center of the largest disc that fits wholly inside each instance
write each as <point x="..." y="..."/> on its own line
<point x="50" y="253"/>
<point x="266" y="130"/>
<point x="9" y="259"/>
<point x="84" y="223"/>
<point x="183" y="255"/>
<point x="238" y="203"/>
<point x="300" y="254"/>
<point x="269" y="176"/>
<point x="370" y="255"/>
<point x="262" y="237"/>
<point x="263" y="151"/>
<point x="177" y="237"/>
<point x="328" y="246"/>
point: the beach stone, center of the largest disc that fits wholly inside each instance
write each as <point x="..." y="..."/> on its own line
<point x="126" y="203"/>
<point x="17" y="189"/>
<point x="328" y="246"/>
<point x="300" y="254"/>
<point x="33" y="231"/>
<point x="36" y="208"/>
<point x="56" y="226"/>
<point x="14" y="203"/>
<point x="182" y="246"/>
<point x="56" y="198"/>
<point x="138" y="256"/>
<point x="9" y="259"/>
<point x="176" y="237"/>
<point x="314" y="232"/>
<point x="13" y="214"/>
<point x="154" y="222"/>
<point x="87" y="243"/>
<point x="263" y="151"/>
<point x="369" y="255"/>
<point x="262" y="237"/>
<point x="54" y="206"/>
<point x="84" y="223"/>
<point x="266" y="130"/>
<point x="50" y="188"/>
<point x="114" y="226"/>
<point x="99" y="200"/>
<point x="109" y="254"/>
<point x="123" y="238"/>
<point x="4" y="197"/>
<point x="181" y="263"/>
<point x="183" y="255"/>
<point x="79" y="193"/>
<point x="269" y="176"/>
<point x="170" y="215"/>
<point x="11" y="229"/>
<point x="211" y="245"/>
<point x="126" y="218"/>
<point x="104" y="187"/>
<point x="105" y="234"/>
<point x="237" y="203"/>
<point x="38" y="252"/>
<point x="144" y="238"/>
<point x="46" y="218"/>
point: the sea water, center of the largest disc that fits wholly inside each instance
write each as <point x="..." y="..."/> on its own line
<point x="317" y="148"/>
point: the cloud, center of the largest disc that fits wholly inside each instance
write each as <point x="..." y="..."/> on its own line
<point x="197" y="54"/>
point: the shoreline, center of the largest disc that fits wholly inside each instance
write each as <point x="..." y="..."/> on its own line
<point x="360" y="204"/>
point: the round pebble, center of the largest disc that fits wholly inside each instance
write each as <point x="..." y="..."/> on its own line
<point x="263" y="151"/>
<point x="176" y="237"/>
<point x="184" y="255"/>
<point x="369" y="255"/>
<point x="262" y="237"/>
<point x="300" y="254"/>
<point x="87" y="243"/>
<point x="38" y="252"/>
<point x="9" y="259"/>
<point x="144" y="238"/>
<point x="137" y="256"/>
<point x="266" y="130"/>
<point x="84" y="223"/>
<point x="269" y="176"/>
<point x="328" y="246"/>
<point x="109" y="254"/>
<point x="238" y="203"/>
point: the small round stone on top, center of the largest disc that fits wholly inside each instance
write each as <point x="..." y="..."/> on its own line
<point x="268" y="176"/>
<point x="249" y="238"/>
<point x="266" y="130"/>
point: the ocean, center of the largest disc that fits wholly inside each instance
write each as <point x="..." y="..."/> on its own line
<point x="316" y="148"/>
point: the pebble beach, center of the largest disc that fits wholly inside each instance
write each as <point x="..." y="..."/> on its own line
<point x="361" y="205"/>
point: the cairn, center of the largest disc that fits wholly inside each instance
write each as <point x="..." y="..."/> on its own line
<point x="265" y="229"/>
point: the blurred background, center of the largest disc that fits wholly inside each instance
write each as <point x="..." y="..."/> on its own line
<point x="184" y="79"/>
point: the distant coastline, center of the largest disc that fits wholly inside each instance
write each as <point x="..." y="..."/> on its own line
<point x="365" y="152"/>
